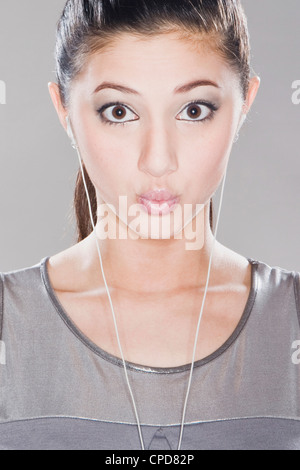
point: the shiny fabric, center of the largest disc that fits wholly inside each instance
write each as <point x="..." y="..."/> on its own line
<point x="55" y="377"/>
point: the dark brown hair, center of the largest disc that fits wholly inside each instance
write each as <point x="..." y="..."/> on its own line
<point x="87" y="26"/>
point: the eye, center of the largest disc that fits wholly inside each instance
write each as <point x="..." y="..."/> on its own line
<point x="116" y="113"/>
<point x="198" y="111"/>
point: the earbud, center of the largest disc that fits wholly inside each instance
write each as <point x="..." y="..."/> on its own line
<point x="70" y="133"/>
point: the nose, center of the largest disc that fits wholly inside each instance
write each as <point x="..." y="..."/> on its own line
<point x="158" y="156"/>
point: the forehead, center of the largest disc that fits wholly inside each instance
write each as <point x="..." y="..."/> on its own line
<point x="165" y="60"/>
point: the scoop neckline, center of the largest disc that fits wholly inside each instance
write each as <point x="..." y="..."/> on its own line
<point x="139" y="367"/>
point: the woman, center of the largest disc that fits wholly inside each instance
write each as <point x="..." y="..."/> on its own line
<point x="149" y="355"/>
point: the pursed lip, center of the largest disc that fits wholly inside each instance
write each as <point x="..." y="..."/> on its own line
<point x="158" y="195"/>
<point x="158" y="202"/>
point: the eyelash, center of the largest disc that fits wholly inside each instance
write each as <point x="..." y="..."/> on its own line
<point x="213" y="108"/>
<point x="108" y="105"/>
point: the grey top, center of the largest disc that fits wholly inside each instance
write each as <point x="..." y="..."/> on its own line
<point x="58" y="390"/>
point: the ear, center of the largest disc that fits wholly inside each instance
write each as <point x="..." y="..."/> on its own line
<point x="56" y="100"/>
<point x="254" y="85"/>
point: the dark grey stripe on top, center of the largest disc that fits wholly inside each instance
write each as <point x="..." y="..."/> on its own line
<point x="1" y="305"/>
<point x="137" y="367"/>
<point x="297" y="292"/>
<point x="61" y="433"/>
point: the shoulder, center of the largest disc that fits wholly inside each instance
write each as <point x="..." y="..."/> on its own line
<point x="297" y="292"/>
<point x="22" y="275"/>
<point x="21" y="293"/>
<point x="19" y="288"/>
<point x="275" y="274"/>
<point x="280" y="285"/>
<point x="75" y="269"/>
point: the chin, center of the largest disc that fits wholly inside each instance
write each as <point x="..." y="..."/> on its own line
<point x="158" y="227"/>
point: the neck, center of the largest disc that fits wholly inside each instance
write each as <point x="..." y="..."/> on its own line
<point x="148" y="265"/>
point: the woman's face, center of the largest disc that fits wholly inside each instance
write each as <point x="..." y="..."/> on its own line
<point x="155" y="113"/>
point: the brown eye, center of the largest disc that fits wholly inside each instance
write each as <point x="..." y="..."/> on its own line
<point x="197" y="112"/>
<point x="117" y="114"/>
<point x="194" y="112"/>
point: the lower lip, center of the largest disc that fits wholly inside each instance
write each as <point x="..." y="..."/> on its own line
<point x="158" y="207"/>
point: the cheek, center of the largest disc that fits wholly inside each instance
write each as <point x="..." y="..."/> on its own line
<point x="207" y="159"/>
<point x="103" y="153"/>
<point x="106" y="162"/>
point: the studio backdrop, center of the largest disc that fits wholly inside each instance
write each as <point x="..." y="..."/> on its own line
<point x="260" y="214"/>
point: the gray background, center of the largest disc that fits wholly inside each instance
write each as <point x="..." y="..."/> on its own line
<point x="260" y="217"/>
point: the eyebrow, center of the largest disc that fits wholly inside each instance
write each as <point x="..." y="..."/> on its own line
<point x="181" y="89"/>
<point x="195" y="84"/>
